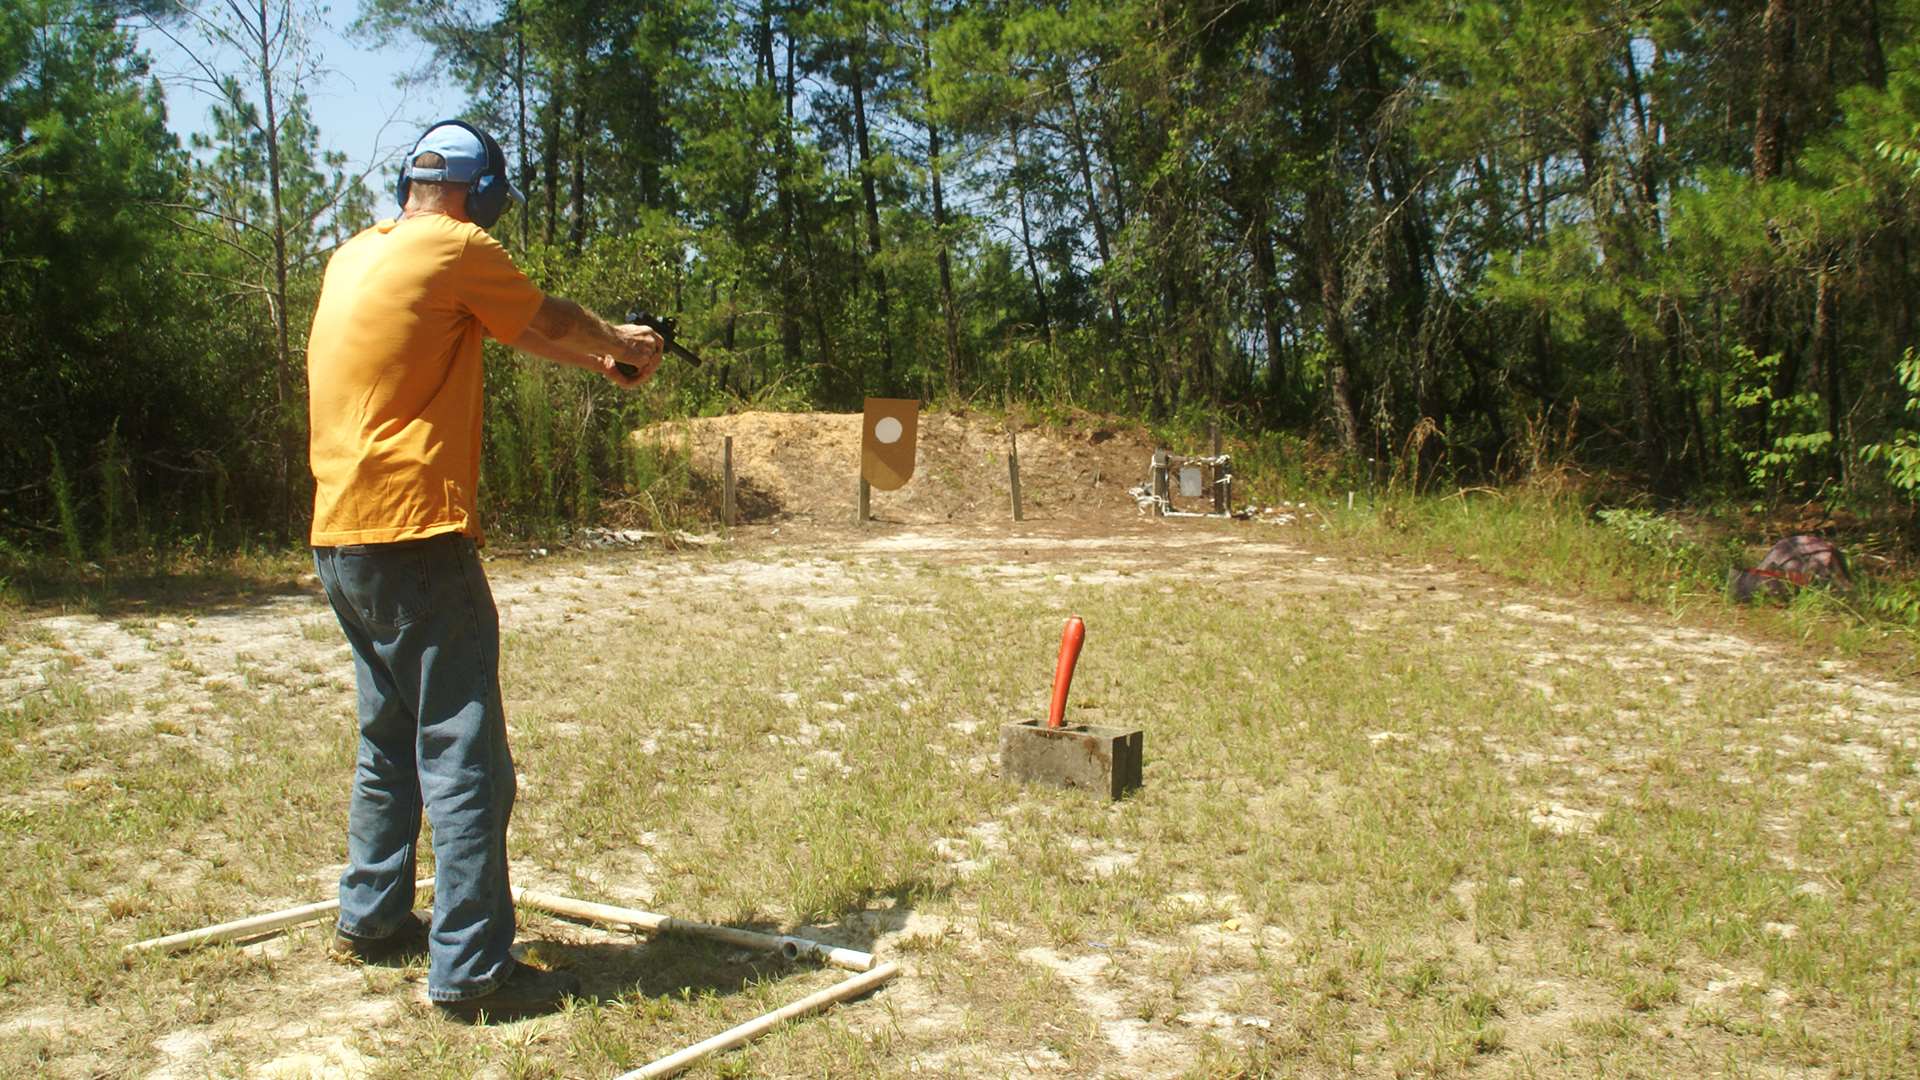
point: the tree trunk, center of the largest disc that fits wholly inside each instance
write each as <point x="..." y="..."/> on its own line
<point x="1266" y="278"/>
<point x="798" y="223"/>
<point x="1826" y="358"/>
<point x="1870" y="39"/>
<point x="520" y="111"/>
<point x="287" y="467"/>
<point x="948" y="311"/>
<point x="550" y="169"/>
<point x="814" y="291"/>
<point x="577" y="236"/>
<point x="869" y="193"/>
<point x="1329" y="278"/>
<point x="727" y="335"/>
<point x="1084" y="159"/>
<point x="1322" y="252"/>
<point x="1406" y="246"/>
<point x="1104" y="143"/>
<point x="1693" y="448"/>
<point x="1645" y="169"/>
<point x="1085" y="164"/>
<point x="653" y="148"/>
<point x="1026" y="237"/>
<point x="1620" y="258"/>
<point x="1769" y="121"/>
<point x="783" y="188"/>
<point x="763" y="45"/>
<point x="1757" y="299"/>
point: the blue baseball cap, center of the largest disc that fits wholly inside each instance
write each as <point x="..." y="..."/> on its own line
<point x="465" y="154"/>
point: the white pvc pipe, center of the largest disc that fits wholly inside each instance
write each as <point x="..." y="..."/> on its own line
<point x="251" y="927"/>
<point x="786" y="945"/>
<point x="753" y="1029"/>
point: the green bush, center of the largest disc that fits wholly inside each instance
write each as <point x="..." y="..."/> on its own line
<point x="556" y="437"/>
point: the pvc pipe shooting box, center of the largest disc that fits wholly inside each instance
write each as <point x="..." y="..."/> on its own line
<point x="1104" y="761"/>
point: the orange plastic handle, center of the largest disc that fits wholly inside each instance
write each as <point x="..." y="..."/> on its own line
<point x="1071" y="638"/>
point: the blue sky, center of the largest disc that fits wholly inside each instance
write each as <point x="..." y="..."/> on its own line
<point x="356" y="104"/>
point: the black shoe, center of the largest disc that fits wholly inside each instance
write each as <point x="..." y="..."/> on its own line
<point x="409" y="940"/>
<point x="528" y="991"/>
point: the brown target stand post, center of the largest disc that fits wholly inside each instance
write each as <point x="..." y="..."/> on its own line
<point x="888" y="430"/>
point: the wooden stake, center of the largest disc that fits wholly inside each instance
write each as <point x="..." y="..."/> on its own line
<point x="240" y="929"/>
<point x="1213" y="475"/>
<point x="726" y="460"/>
<point x="1013" y="472"/>
<point x="866" y="497"/>
<point x="753" y="1029"/>
<point x="790" y="947"/>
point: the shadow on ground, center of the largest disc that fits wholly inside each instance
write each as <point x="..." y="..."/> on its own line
<point x="159" y="593"/>
<point x="635" y="965"/>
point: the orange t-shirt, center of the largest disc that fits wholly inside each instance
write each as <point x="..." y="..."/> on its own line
<point x="394" y="377"/>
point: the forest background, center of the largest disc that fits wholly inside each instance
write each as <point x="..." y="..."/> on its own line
<point x="1672" y="240"/>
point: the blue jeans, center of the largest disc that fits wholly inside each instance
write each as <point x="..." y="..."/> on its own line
<point x="426" y="656"/>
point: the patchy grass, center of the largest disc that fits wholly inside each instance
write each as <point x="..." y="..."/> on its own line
<point x="1599" y="536"/>
<point x="146" y="582"/>
<point x="1395" y="823"/>
<point x="1675" y="564"/>
<point x="1546" y="539"/>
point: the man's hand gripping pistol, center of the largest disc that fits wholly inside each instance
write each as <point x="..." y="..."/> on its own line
<point x="665" y="327"/>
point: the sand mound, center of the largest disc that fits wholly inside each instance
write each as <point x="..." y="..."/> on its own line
<point x="807" y="465"/>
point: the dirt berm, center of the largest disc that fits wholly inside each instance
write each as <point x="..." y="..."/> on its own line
<point x="807" y="466"/>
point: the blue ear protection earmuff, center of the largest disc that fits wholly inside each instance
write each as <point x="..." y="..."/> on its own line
<point x="487" y="195"/>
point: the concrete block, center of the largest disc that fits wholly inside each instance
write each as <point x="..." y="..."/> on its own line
<point x="1105" y="761"/>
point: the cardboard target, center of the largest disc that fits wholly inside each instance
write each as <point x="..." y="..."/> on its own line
<point x="888" y="429"/>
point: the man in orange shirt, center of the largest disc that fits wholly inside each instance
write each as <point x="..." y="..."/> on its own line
<point x="394" y="370"/>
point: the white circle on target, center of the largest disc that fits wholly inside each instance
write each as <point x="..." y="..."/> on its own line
<point x="887" y="430"/>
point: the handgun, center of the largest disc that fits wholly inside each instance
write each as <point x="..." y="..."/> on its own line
<point x="663" y="326"/>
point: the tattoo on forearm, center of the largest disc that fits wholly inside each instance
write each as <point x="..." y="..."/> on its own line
<point x="555" y="319"/>
<point x="567" y="321"/>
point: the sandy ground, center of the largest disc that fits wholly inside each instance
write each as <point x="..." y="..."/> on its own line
<point x="1084" y="529"/>
<point x="293" y="636"/>
<point x="804" y="467"/>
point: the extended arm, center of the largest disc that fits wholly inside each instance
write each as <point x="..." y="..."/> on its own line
<point x="567" y="333"/>
<point x="537" y="344"/>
